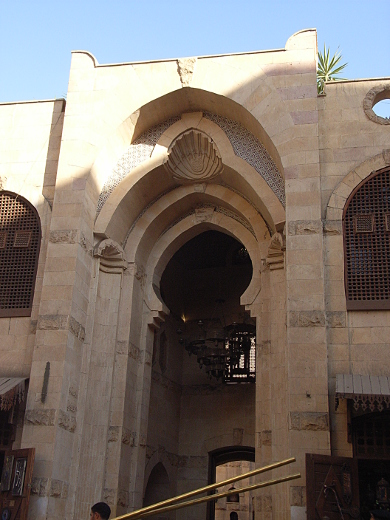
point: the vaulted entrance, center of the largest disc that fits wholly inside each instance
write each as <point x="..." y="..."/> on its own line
<point x="195" y="408"/>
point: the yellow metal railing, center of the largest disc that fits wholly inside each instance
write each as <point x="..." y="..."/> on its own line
<point x="175" y="503"/>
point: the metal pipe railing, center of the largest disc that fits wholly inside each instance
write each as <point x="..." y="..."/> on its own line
<point x="171" y="503"/>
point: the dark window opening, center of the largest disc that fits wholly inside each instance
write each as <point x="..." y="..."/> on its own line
<point x="7" y="431"/>
<point x="20" y="237"/>
<point x="371" y="447"/>
<point x="367" y="243"/>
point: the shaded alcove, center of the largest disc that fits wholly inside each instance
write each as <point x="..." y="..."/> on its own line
<point x="189" y="413"/>
<point x="212" y="266"/>
<point x="157" y="488"/>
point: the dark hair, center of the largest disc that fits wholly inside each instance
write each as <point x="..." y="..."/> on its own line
<point x="103" y="509"/>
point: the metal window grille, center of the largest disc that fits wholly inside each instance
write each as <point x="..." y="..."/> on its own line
<point x="22" y="239"/>
<point x="3" y="239"/>
<point x="364" y="223"/>
<point x="387" y="221"/>
<point x="367" y="243"/>
<point x="20" y="227"/>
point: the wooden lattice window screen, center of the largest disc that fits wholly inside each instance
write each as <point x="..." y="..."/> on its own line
<point x="20" y="237"/>
<point x="366" y="224"/>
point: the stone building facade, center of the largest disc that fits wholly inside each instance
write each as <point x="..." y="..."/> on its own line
<point x="114" y="407"/>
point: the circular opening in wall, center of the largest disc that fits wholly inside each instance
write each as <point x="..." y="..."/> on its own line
<point x="382" y="108"/>
<point x="376" y="104"/>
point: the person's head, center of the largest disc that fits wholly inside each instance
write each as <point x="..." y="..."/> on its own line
<point x="100" y="511"/>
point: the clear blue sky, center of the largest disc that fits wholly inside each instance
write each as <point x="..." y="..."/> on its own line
<point x="37" y="37"/>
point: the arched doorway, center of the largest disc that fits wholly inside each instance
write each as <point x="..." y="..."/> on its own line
<point x="157" y="488"/>
<point x="173" y="410"/>
<point x="226" y="463"/>
<point x="190" y="409"/>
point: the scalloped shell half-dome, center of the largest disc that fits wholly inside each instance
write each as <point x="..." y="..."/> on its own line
<point x="193" y="157"/>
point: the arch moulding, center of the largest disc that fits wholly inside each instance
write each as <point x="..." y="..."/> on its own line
<point x="238" y="175"/>
<point x="178" y="235"/>
<point x="337" y="200"/>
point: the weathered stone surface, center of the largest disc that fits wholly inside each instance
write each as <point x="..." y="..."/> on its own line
<point x="56" y="488"/>
<point x="128" y="437"/>
<point x="73" y="390"/>
<point x="40" y="417"/>
<point x="33" y="326"/>
<point x="306" y="319"/>
<point x="304" y="227"/>
<point x="76" y="329"/>
<point x="85" y="244"/>
<point x="109" y="496"/>
<point x="71" y="405"/>
<point x="185" y="68"/>
<point x="66" y="421"/>
<point x="122" y="347"/>
<point x="265" y="503"/>
<point x="35" y="485"/>
<point x="64" y="236"/>
<point x="134" y="351"/>
<point x="113" y="434"/>
<point x="123" y="498"/>
<point x="314" y="421"/>
<point x="386" y="156"/>
<point x="297" y="496"/>
<point x="65" y="490"/>
<point x="39" y="486"/>
<point x="53" y="322"/>
<point x="333" y="227"/>
<point x="265" y="438"/>
<point x="336" y="318"/>
<point x="61" y="322"/>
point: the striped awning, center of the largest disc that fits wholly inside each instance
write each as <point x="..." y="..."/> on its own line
<point x="12" y="391"/>
<point x="367" y="392"/>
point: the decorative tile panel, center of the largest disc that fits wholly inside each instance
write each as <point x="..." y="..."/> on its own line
<point x="248" y="147"/>
<point x="245" y="145"/>
<point x="140" y="150"/>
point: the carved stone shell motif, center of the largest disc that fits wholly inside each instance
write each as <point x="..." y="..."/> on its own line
<point x="193" y="157"/>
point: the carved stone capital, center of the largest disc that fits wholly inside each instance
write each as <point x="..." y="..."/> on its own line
<point x="276" y="249"/>
<point x="193" y="158"/>
<point x="112" y="257"/>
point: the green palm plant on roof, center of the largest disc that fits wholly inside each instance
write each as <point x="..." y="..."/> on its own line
<point x="328" y="68"/>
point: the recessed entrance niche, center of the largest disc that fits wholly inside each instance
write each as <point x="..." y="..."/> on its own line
<point x="189" y="413"/>
<point x="202" y="285"/>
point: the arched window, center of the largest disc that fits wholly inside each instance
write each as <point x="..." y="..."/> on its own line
<point x="20" y="238"/>
<point x="366" y="225"/>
